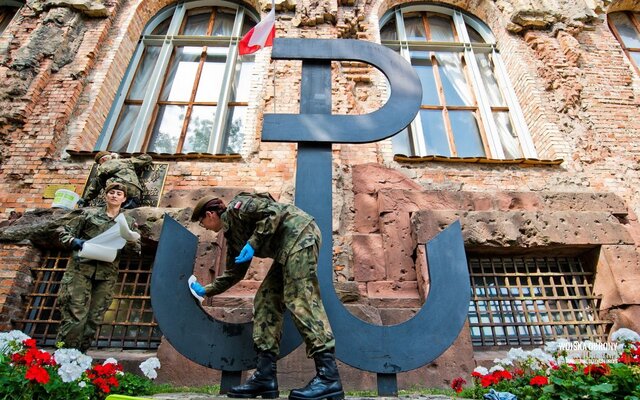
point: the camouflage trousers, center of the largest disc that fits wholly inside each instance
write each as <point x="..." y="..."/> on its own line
<point x="293" y="286"/>
<point x="83" y="302"/>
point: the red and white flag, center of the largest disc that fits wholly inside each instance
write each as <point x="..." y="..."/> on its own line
<point x="260" y="35"/>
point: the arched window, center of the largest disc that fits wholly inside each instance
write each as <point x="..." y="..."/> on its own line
<point x="8" y="8"/>
<point x="468" y="106"/>
<point x="186" y="90"/>
<point x="625" y="26"/>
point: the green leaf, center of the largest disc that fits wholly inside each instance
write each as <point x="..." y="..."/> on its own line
<point x="602" y="388"/>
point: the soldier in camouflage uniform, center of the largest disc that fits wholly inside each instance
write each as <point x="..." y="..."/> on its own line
<point x="255" y="224"/>
<point x="113" y="169"/>
<point x="87" y="285"/>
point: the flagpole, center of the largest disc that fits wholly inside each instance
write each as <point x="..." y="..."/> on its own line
<point x="273" y="7"/>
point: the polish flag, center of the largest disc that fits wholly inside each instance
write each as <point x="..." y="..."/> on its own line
<point x="260" y="35"/>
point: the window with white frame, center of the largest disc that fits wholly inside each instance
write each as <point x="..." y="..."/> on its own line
<point x="469" y="108"/>
<point x="625" y="25"/>
<point x="8" y="9"/>
<point x="185" y="90"/>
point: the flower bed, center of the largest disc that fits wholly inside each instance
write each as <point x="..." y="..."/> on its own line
<point x="562" y="371"/>
<point x="29" y="373"/>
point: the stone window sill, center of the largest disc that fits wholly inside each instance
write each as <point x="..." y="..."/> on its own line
<point x="524" y="162"/>
<point x="169" y="156"/>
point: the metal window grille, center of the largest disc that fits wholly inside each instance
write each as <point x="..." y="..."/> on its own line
<point x="129" y="321"/>
<point x="529" y="301"/>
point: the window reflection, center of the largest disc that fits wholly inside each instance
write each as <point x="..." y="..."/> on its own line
<point x="456" y="118"/>
<point x="182" y="113"/>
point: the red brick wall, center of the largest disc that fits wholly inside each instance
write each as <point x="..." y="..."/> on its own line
<point x="15" y="280"/>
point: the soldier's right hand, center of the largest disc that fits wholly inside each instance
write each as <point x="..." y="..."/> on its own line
<point x="76" y="244"/>
<point x="198" y="288"/>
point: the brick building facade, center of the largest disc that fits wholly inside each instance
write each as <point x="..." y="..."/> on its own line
<point x="527" y="133"/>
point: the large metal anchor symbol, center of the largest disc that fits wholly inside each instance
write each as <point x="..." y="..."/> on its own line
<point x="385" y="350"/>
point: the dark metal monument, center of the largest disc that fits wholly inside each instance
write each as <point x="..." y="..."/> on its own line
<point x="385" y="350"/>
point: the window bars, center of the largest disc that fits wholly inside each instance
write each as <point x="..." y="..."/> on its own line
<point x="518" y="301"/>
<point x="128" y="323"/>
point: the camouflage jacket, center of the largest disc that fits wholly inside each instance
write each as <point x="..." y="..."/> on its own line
<point x="273" y="229"/>
<point x="89" y="224"/>
<point x="125" y="171"/>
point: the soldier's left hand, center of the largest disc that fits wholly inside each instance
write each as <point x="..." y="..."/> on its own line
<point x="245" y="255"/>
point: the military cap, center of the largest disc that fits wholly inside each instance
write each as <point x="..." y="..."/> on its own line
<point x="207" y="202"/>
<point x="101" y="154"/>
<point x="116" y="185"/>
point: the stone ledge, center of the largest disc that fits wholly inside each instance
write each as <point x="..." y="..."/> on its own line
<point x="525" y="229"/>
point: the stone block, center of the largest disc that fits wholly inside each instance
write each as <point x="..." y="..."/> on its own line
<point x="180" y="371"/>
<point x="235" y="315"/>
<point x="627" y="317"/>
<point x="368" y="258"/>
<point x="369" y="178"/>
<point x="395" y="316"/>
<point x="393" y="290"/>
<point x="624" y="263"/>
<point x="605" y="284"/>
<point x="399" y="246"/>
<point x="366" y="216"/>
<point x="422" y="272"/>
<point x="525" y="229"/>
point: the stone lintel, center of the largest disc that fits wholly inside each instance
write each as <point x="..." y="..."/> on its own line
<point x="400" y="199"/>
<point x="525" y="229"/>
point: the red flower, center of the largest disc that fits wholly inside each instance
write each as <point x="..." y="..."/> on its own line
<point x="38" y="374"/>
<point x="44" y="358"/>
<point x="476" y="374"/>
<point x="488" y="380"/>
<point x="539" y="381"/>
<point x="626" y="358"/>
<point x="457" y="384"/>
<point x="17" y="358"/>
<point x="103" y="376"/>
<point x="519" y="371"/>
<point x="500" y="375"/>
<point x="597" y="370"/>
<point x="30" y="343"/>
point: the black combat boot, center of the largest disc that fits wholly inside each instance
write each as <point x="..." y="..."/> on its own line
<point x="263" y="382"/>
<point x="325" y="385"/>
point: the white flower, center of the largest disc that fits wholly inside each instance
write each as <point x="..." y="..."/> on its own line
<point x="503" y="361"/>
<point x="518" y="354"/>
<point x="12" y="341"/>
<point x="481" y="370"/>
<point x="541" y="356"/>
<point x="496" y="368"/>
<point x="149" y="367"/>
<point x="82" y="384"/>
<point x="110" y="360"/>
<point x="560" y="344"/>
<point x="625" y="335"/>
<point x="70" y="372"/>
<point x="66" y="356"/>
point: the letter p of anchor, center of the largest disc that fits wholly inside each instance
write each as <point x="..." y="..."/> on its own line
<point x="315" y="123"/>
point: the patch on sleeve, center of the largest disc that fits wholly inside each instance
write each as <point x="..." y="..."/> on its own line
<point x="238" y="205"/>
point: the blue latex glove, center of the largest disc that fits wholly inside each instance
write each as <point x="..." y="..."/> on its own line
<point x="493" y="395"/>
<point x="76" y="244"/>
<point x="245" y="255"/>
<point x="198" y="288"/>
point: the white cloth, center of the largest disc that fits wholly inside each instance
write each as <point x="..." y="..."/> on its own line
<point x="105" y="246"/>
